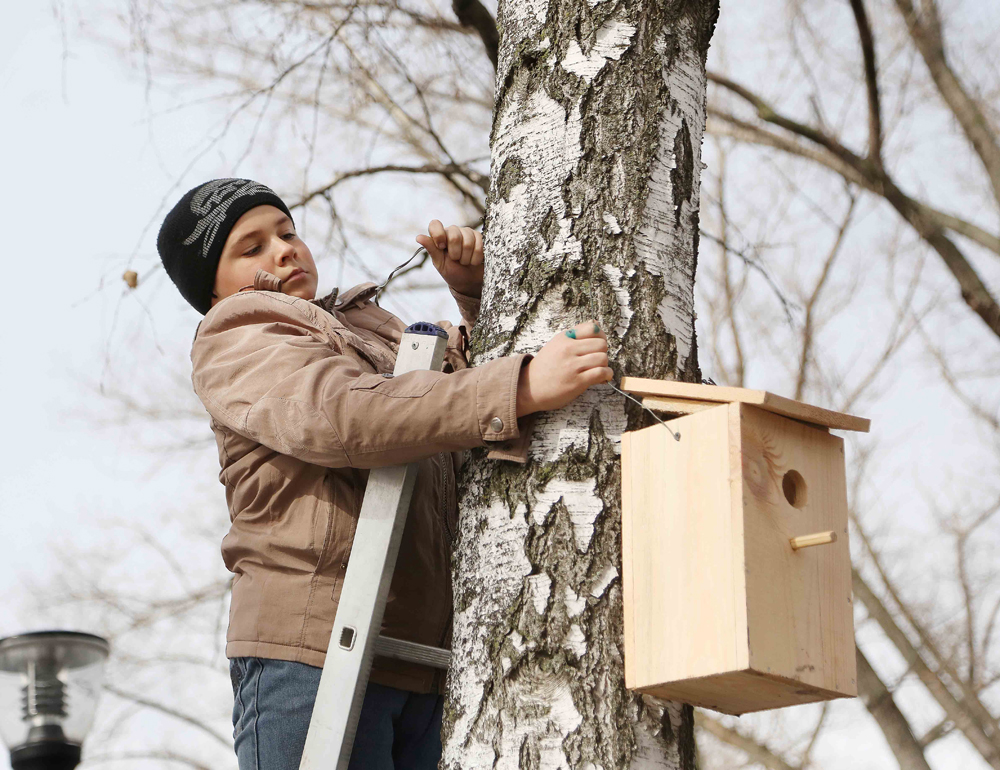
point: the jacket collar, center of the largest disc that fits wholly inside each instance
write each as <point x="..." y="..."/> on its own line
<point x="353" y="297"/>
<point x="357" y="295"/>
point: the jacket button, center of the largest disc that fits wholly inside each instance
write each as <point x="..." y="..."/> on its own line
<point x="496" y="424"/>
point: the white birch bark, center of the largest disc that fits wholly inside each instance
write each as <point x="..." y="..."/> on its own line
<point x="592" y="212"/>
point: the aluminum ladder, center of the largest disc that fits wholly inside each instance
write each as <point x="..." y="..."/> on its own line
<point x="354" y="641"/>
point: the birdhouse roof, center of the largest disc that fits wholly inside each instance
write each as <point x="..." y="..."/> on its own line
<point x="797" y="410"/>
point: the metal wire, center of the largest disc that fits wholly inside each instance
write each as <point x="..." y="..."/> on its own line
<point x="630" y="397"/>
<point x="385" y="283"/>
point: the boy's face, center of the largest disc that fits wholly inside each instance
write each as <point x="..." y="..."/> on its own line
<point x="264" y="238"/>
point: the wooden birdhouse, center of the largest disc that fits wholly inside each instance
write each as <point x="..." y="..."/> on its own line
<point x="736" y="568"/>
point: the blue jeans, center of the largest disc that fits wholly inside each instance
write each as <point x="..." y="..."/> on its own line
<point x="273" y="701"/>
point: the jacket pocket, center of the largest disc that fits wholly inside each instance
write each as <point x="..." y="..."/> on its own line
<point x="393" y="387"/>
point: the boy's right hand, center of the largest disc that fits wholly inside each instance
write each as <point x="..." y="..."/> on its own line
<point x="564" y="368"/>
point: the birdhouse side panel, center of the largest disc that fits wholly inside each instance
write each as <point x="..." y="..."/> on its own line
<point x="682" y="553"/>
<point x="799" y="604"/>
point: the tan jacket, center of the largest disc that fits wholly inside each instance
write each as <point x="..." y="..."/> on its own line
<point x="301" y="407"/>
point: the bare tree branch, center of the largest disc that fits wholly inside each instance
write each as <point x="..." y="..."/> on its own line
<point x="132" y="756"/>
<point x="756" y="752"/>
<point x="730" y="291"/>
<point x="807" y="336"/>
<point x="871" y="81"/>
<point x="820" y="723"/>
<point x="981" y="412"/>
<point x="146" y="703"/>
<point x="473" y="14"/>
<point x="936" y="733"/>
<point x="881" y="705"/>
<point x="925" y="30"/>
<point x="429" y="168"/>
<point x="969" y="699"/>
<point x="745" y="132"/>
<point x="951" y="705"/>
<point x="974" y="291"/>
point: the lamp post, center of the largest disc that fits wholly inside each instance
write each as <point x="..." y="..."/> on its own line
<point x="49" y="685"/>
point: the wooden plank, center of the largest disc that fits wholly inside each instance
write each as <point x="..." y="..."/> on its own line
<point x="714" y="393"/>
<point x="629" y="478"/>
<point x="681" y="553"/>
<point x="676" y="405"/>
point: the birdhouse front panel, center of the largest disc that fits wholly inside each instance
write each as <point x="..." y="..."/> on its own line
<point x="736" y="571"/>
<point x="799" y="605"/>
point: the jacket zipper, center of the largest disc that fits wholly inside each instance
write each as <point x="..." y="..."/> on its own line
<point x="445" y="496"/>
<point x="447" y="475"/>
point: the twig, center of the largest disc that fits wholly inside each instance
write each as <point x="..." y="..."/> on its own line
<point x="187" y="718"/>
<point x="755" y="751"/>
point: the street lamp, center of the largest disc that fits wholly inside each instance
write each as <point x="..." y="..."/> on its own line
<point x="49" y="685"/>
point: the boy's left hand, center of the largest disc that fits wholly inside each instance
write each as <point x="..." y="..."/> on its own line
<point x="457" y="253"/>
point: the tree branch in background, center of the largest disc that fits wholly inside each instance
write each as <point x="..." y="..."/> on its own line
<point x="187" y="718"/>
<point x="985" y="413"/>
<point x="748" y="133"/>
<point x="954" y="709"/>
<point x="936" y="733"/>
<point x="969" y="697"/>
<point x="808" y="326"/>
<point x="925" y="30"/>
<point x="820" y="723"/>
<point x="871" y="82"/>
<point x="135" y="756"/>
<point x="473" y="14"/>
<point x="447" y="169"/>
<point x="755" y="751"/>
<point x="974" y="291"/>
<point x="730" y="290"/>
<point x="881" y="705"/>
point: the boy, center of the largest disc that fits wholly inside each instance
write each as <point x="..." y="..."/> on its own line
<point x="302" y="403"/>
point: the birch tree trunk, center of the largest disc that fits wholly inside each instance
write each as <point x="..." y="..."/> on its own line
<point x="592" y="212"/>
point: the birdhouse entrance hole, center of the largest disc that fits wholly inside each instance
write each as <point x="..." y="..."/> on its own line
<point x="794" y="487"/>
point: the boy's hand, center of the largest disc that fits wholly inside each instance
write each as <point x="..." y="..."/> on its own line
<point x="565" y="367"/>
<point x="457" y="253"/>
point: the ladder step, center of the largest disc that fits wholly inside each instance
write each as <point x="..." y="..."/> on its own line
<point x="412" y="652"/>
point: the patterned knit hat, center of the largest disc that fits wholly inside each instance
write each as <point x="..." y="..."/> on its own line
<point x="193" y="233"/>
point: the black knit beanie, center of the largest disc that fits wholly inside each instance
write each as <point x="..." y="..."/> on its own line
<point x="193" y="233"/>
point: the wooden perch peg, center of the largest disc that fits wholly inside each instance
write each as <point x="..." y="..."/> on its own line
<point x="816" y="538"/>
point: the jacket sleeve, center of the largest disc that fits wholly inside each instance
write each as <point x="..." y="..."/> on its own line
<point x="468" y="307"/>
<point x="264" y="367"/>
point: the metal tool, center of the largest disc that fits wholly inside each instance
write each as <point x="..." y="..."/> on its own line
<point x="354" y="640"/>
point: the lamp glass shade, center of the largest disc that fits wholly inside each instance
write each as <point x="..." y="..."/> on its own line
<point x="49" y="685"/>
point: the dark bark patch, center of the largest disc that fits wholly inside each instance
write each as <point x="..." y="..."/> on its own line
<point x="686" y="744"/>
<point x="511" y="174"/>
<point x="682" y="174"/>
<point x="550" y="228"/>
